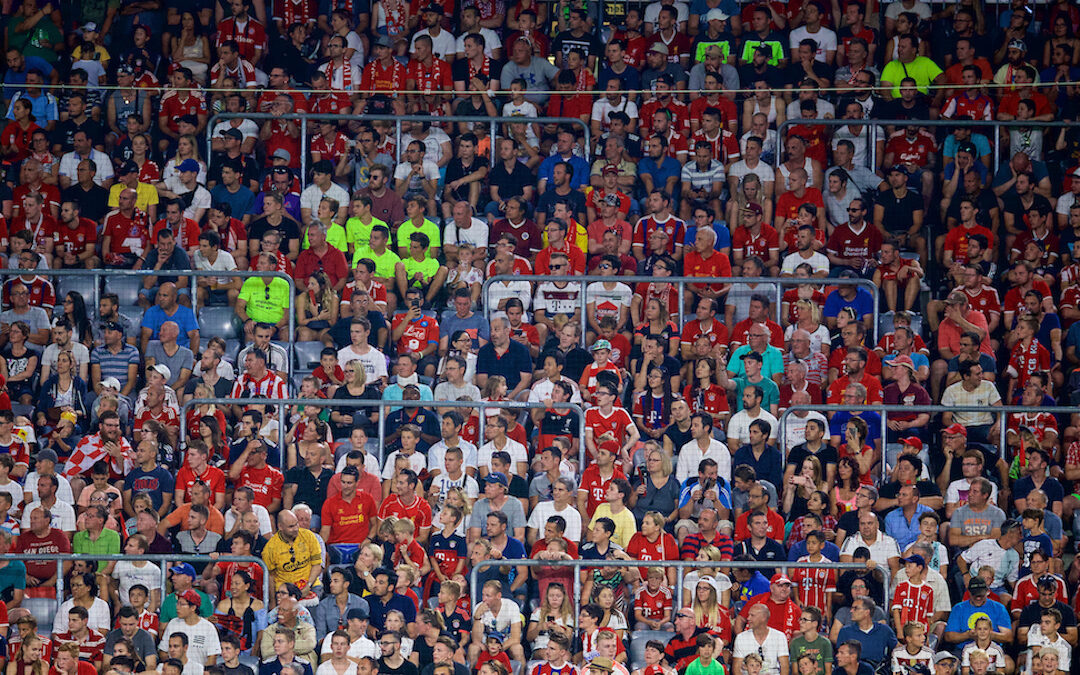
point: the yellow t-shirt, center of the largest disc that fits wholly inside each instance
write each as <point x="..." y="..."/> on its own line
<point x="292" y="563"/>
<point x="145" y="195"/>
<point x="625" y="525"/>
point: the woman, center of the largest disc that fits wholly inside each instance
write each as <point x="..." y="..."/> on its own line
<point x="211" y="432"/>
<point x="461" y="344"/>
<point x="1061" y="35"/>
<point x="429" y="626"/>
<point x="312" y="439"/>
<point x="368" y="559"/>
<point x="704" y="393"/>
<point x="807" y="317"/>
<point x="190" y="49"/>
<point x="395" y="621"/>
<point x="554" y="615"/>
<point x="652" y="407"/>
<point x="84" y="591"/>
<point x="653" y="538"/>
<point x="64" y="391"/>
<point x="816" y="505"/>
<point x="613" y="618"/>
<point x="867" y="459"/>
<point x="356" y="387"/>
<point x="339" y="662"/>
<point x="750" y="192"/>
<point x="493" y="668"/>
<point x="708" y="613"/>
<point x="655" y="489"/>
<point x="20" y="364"/>
<point x="16" y="136"/>
<point x="706" y="575"/>
<point x="456" y="496"/>
<point x="149" y="172"/>
<point x="237" y="612"/>
<point x="125" y="647"/>
<point x="801" y="486"/>
<point x="28" y="659"/>
<point x="41" y="151"/>
<point x="316" y="309"/>
<point x="75" y="313"/>
<point x="657" y="321"/>
<point x="187" y="147"/>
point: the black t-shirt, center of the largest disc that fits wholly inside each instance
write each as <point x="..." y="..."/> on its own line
<point x="896" y="110"/>
<point x="986" y="201"/>
<point x="1030" y="615"/>
<point x="288" y="228"/>
<point x="1015" y="206"/>
<point x="826" y="455"/>
<point x="678" y="438"/>
<point x="926" y="489"/>
<point x="873" y="584"/>
<point x="511" y="183"/>
<point x="93" y="203"/>
<point x="796" y="74"/>
<point x="771" y="551"/>
<point x="455" y="170"/>
<point x="748" y="74"/>
<point x="548" y="200"/>
<point x="459" y="70"/>
<point x="899" y="211"/>
<point x="240" y="669"/>
<point x="588" y="43"/>
<point x="249" y="170"/>
<point x="309" y="489"/>
<point x="64" y="134"/>
<point x="406" y="667"/>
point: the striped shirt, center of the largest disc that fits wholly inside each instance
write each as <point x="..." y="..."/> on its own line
<point x="115" y="365"/>
<point x="91" y="647"/>
<point x="698" y="179"/>
<point x="270" y="386"/>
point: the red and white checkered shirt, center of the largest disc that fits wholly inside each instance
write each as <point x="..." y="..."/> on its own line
<point x="270" y="386"/>
<point x="91" y="449"/>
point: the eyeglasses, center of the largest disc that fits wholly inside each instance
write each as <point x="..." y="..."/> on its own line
<point x="557" y="267"/>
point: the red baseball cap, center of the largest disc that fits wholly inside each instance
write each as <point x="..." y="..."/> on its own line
<point x="914" y="441"/>
<point x="955" y="430"/>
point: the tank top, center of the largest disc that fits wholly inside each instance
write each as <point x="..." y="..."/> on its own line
<point x="843" y="506"/>
<point x="770" y="113"/>
<point x="808" y="165"/>
<point x="125" y="109"/>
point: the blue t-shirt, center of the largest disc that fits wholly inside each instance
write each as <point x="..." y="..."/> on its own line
<point x="798" y="550"/>
<point x="982" y="145"/>
<point x="183" y="317"/>
<point x="723" y="494"/>
<point x="876" y="644"/>
<point x="723" y="235"/>
<point x="862" y="303"/>
<point x="873" y="422"/>
<point x="578" y="164"/>
<point x="474" y="325"/>
<point x="918" y="358"/>
<point x="770" y="466"/>
<point x="1031" y="544"/>
<point x="155" y="483"/>
<point x="669" y="166"/>
<point x="13" y="80"/>
<point x="240" y="201"/>
<point x="962" y="617"/>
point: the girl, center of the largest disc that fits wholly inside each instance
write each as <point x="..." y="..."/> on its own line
<point x="704" y="393"/>
<point x="28" y="659"/>
<point x="20" y="364"/>
<point x="657" y="321"/>
<point x="241" y="606"/>
<point x="75" y="313"/>
<point x="652" y="407"/>
<point x="554" y="615"/>
<point x="187" y="147"/>
<point x="15" y="139"/>
<point x="149" y="172"/>
<point x="316" y="309"/>
<point x="750" y="192"/>
<point x="867" y="459"/>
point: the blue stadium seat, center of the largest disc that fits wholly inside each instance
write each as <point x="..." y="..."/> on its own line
<point x="638" y="639"/>
<point x="84" y="286"/>
<point x="307" y="354"/>
<point x="132" y="313"/>
<point x="126" y="289"/>
<point x="218" y="321"/>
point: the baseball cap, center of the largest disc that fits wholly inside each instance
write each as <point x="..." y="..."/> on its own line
<point x="753" y="356"/>
<point x="754" y="208"/>
<point x="659" y="48"/>
<point x="977" y="585"/>
<point x="161" y="369"/>
<point x="127" y="167"/>
<point x="917" y="559"/>
<point x="666" y="79"/>
<point x="497" y="477"/>
<point x="902" y="360"/>
<point x="189" y="164"/>
<point x="943" y="656"/>
<point x="1018" y="44"/>
<point x="955" y="430"/>
<point x="111" y="383"/>
<point x="432" y="8"/>
<point x="610" y="168"/>
<point x="183" y="568"/>
<point x="1075" y="173"/>
<point x="49" y="455"/>
<point x="125" y="69"/>
<point x="113" y="325"/>
<point x="283" y="154"/>
<point x="913" y="441"/>
<point x="233" y="133"/>
<point x="611" y="200"/>
<point x="716" y="14"/>
<point x="600" y="344"/>
<point x="191" y="597"/>
<point x="899" y="168"/>
<point x="360" y="613"/>
<point x="384" y="41"/>
<point x="779" y="578"/>
<point x="89" y="27"/>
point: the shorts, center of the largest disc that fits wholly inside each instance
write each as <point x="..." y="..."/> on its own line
<point x="151" y="293"/>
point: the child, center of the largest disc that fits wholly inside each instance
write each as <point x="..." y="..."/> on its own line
<point x="913" y="651"/>
<point x="447" y="548"/>
<point x="913" y="599"/>
<point x="1035" y="539"/>
<point x="457" y="620"/>
<point x="329" y="373"/>
<point x="620" y="344"/>
<point x="1050" y="660"/>
<point x="1045" y="637"/>
<point x="983" y="642"/>
<point x="652" y="601"/>
<point x="978" y="663"/>
<point x="494" y="652"/>
<point x="601" y="353"/>
<point x="138" y="596"/>
<point x="465" y="274"/>
<point x="704" y="664"/>
<point x="806" y="665"/>
<point x="816" y="584"/>
<point x="7" y="521"/>
<point x="406" y="549"/>
<point x="99" y="474"/>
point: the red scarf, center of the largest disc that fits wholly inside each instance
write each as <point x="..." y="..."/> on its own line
<point x="346" y="75"/>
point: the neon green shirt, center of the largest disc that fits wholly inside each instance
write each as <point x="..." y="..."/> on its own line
<point x="428" y="267"/>
<point x="335" y="236"/>
<point x="384" y="264"/>
<point x="429" y="228"/>
<point x="266" y="304"/>
<point x="358" y="234"/>
<point x="922" y="70"/>
<point x="697" y="668"/>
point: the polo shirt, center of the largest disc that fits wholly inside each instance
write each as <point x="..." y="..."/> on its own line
<point x="265" y="304"/>
<point x="510" y="365"/>
<point x="145" y="195"/>
<point x="108" y="543"/>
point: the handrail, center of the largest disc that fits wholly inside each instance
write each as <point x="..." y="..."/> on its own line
<point x="873" y="123"/>
<point x="678" y="565"/>
<point x="493" y="123"/>
<point x="585" y="279"/>
<point x="883" y="410"/>
<point x="149" y="557"/>
<point x="382" y="405"/>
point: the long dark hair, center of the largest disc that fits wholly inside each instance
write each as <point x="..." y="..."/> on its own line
<point x="216" y="438"/>
<point x="79" y="319"/>
<point x="668" y="397"/>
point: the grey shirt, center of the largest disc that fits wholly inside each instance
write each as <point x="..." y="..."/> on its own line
<point x="972" y="523"/>
<point x="515" y="515"/>
<point x="143" y="641"/>
<point x="450" y="323"/>
<point x="35" y="317"/>
<point x="444" y="391"/>
<point x="183" y="358"/>
<point x="865" y="180"/>
<point x="536" y="75"/>
<point x="728" y="74"/>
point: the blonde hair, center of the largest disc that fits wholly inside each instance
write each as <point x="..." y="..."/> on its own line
<point x="492" y="386"/>
<point x="406" y="571"/>
<point x="404" y="526"/>
<point x="706" y="613"/>
<point x="665" y="460"/>
<point x="359" y="378"/>
<point x="39" y="667"/>
<point x="807" y="308"/>
<point x="565" y="611"/>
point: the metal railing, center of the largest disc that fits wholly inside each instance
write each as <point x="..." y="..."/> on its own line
<point x="160" y="558"/>
<point x="305" y="138"/>
<point x="884" y="410"/>
<point x="678" y="565"/>
<point x="283" y="404"/>
<point x="778" y="284"/>
<point x="872" y="125"/>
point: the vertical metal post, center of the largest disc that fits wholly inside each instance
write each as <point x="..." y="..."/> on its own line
<point x="303" y="150"/>
<point x="397" y="141"/>
<point x="682" y="306"/>
<point x="997" y="145"/>
<point x="494" y="131"/>
<point x="884" y="446"/>
<point x="382" y="434"/>
<point x="482" y="425"/>
<point x="872" y="150"/>
<point x="1003" y="423"/>
<point x="678" y="588"/>
<point x="877" y="310"/>
<point x="577" y="592"/>
<point x="779" y="302"/>
<point x="283" y="413"/>
<point x="584" y="311"/>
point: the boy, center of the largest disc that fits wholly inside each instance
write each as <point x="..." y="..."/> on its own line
<point x="984" y="642"/>
<point x="447" y="548"/>
<point x="810" y="642"/>
<point x="1035" y="539"/>
<point x="912" y="651"/>
<point x="494" y="652"/>
<point x="704" y="664"/>
<point x="913" y="599"/>
<point x="329" y="373"/>
<point x="601" y="353"/>
<point x="138" y="596"/>
<point x="652" y="603"/>
<point x="816" y="584"/>
<point x="1045" y="636"/>
<point x="465" y="274"/>
<point x="457" y="620"/>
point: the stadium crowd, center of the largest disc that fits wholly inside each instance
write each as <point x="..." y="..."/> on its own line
<point x="705" y="156"/>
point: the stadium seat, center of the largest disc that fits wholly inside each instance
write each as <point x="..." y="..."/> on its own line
<point x="126" y="289"/>
<point x="307" y="354"/>
<point x="132" y="313"/>
<point x="86" y="287"/>
<point x="218" y="321"/>
<point x="638" y="640"/>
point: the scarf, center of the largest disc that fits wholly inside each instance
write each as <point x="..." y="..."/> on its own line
<point x="346" y="75"/>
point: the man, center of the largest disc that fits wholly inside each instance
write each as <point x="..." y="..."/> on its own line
<point x="877" y="639"/>
<point x="384" y="598"/>
<point x="251" y="470"/>
<point x="882" y="546"/>
<point x="960" y="627"/>
<point x="128" y="628"/>
<point x="784" y="613"/>
<point x="703" y="446"/>
<point x="168" y="309"/>
<point x="87" y="192"/>
<point x="82" y="150"/>
<point x="107" y="444"/>
<point x="349" y="519"/>
<point x="202" y="637"/>
<point x="497" y="499"/>
<point x="1000" y="554"/>
<point x="321" y="256"/>
<point x="38" y="536"/>
<point x="496" y="614"/>
<point x="492" y="360"/>
<point x="257" y="380"/>
<point x="760" y="638"/>
<point x="293" y="555"/>
<point x="970" y="505"/>
<point x="284" y="644"/>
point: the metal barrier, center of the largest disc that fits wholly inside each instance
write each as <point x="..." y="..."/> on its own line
<point x="382" y="405"/>
<point x="305" y="138"/>
<point x="883" y="410"/>
<point x="160" y="558"/>
<point x="678" y="565"/>
<point x="872" y="125"/>
<point x="584" y="280"/>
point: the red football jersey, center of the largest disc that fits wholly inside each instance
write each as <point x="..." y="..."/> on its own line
<point x="915" y="602"/>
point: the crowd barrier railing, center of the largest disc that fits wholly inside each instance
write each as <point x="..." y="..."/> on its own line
<point x="776" y="290"/>
<point x="678" y="565"/>
<point x="873" y="124"/>
<point x="1002" y="412"/>
<point x="159" y="558"/>
<point x="284" y="404"/>
<point x="305" y="137"/>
